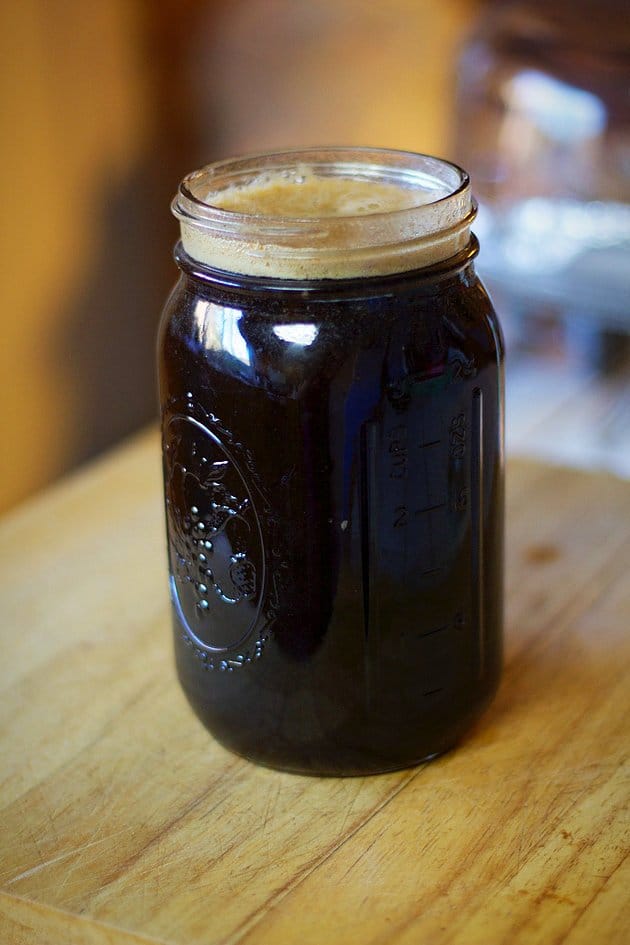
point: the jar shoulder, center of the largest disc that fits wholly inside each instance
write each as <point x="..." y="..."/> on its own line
<point x="283" y="342"/>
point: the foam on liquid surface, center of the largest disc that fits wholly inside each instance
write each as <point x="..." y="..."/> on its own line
<point x="304" y="195"/>
<point x="335" y="202"/>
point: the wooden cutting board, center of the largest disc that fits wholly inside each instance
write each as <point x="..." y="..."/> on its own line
<point x="123" y="822"/>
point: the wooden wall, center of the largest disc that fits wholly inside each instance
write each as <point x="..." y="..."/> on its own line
<point x="76" y="116"/>
<point x="104" y="105"/>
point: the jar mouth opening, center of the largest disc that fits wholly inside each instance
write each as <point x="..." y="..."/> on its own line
<point x="440" y="179"/>
<point x="427" y="211"/>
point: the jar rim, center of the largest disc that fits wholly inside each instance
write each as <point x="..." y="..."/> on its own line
<point x="418" y="234"/>
<point x="186" y="202"/>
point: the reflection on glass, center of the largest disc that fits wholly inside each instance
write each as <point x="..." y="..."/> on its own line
<point x="298" y="334"/>
<point x="218" y="329"/>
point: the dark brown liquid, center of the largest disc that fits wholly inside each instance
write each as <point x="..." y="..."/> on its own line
<point x="335" y="510"/>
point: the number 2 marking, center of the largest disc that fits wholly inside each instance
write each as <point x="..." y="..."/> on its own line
<point x="402" y="515"/>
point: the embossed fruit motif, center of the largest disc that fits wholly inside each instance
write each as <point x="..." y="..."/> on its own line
<point x="216" y="551"/>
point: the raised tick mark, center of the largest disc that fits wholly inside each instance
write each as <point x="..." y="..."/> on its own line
<point x="430" y="508"/>
<point x="430" y="633"/>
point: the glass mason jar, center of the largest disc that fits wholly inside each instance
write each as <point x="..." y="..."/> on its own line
<point x="332" y="414"/>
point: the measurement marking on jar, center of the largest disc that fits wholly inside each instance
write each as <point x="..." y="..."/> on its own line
<point x="460" y="502"/>
<point x="399" y="453"/>
<point x="432" y="692"/>
<point x="477" y="519"/>
<point x="459" y="621"/>
<point x="401" y="516"/>
<point x="369" y="555"/>
<point x="457" y="436"/>
<point x="430" y="508"/>
<point x="430" y="633"/>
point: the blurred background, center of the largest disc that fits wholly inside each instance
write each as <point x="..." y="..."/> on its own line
<point x="106" y="104"/>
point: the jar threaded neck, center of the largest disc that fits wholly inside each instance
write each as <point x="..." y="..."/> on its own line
<point x="430" y="222"/>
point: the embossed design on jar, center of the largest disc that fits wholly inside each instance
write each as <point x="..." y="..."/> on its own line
<point x="217" y="556"/>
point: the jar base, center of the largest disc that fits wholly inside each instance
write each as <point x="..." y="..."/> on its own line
<point x="337" y="771"/>
<point x="367" y="745"/>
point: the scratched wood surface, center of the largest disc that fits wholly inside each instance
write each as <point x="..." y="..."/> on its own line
<point x="123" y="823"/>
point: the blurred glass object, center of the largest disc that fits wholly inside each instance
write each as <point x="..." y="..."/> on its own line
<point x="544" y="126"/>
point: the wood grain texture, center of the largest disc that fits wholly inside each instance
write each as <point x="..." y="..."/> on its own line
<point x="119" y="812"/>
<point x="23" y="922"/>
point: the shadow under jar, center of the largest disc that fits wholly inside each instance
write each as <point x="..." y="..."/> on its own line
<point x="331" y="392"/>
